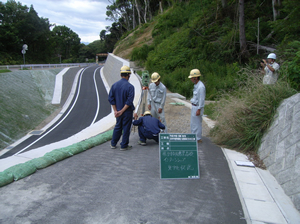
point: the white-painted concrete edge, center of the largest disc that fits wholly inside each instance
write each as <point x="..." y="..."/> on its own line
<point x="236" y="182"/>
<point x="280" y="201"/>
<point x="284" y="202"/>
<point x="58" y="86"/>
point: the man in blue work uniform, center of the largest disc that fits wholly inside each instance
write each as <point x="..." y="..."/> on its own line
<point x="149" y="127"/>
<point x="121" y="97"/>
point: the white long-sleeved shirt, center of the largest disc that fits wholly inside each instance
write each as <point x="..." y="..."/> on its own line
<point x="199" y="95"/>
<point x="158" y="94"/>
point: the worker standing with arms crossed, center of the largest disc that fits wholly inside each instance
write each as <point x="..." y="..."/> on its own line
<point x="157" y="98"/>
<point x="197" y="102"/>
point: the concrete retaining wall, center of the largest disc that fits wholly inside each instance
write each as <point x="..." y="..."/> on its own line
<point x="280" y="148"/>
<point x="111" y="74"/>
<point x="112" y="68"/>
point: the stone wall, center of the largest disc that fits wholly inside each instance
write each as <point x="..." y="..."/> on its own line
<point x="280" y="148"/>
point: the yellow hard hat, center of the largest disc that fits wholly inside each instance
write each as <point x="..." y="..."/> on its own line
<point x="194" y="73"/>
<point x="147" y="113"/>
<point x="125" y="69"/>
<point x="155" y="77"/>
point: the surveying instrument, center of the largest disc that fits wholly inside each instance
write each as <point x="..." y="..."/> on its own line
<point x="145" y="86"/>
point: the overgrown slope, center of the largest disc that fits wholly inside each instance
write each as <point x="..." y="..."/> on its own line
<point x="203" y="35"/>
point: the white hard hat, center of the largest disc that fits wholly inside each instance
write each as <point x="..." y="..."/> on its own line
<point x="272" y="55"/>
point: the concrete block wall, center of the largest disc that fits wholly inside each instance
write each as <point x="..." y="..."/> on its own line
<point x="280" y="148"/>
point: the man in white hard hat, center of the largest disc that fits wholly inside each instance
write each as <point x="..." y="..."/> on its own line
<point x="121" y="97"/>
<point x="270" y="69"/>
<point x="157" y="98"/>
<point x="197" y="102"/>
<point x="149" y="127"/>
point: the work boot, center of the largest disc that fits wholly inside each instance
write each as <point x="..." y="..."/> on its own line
<point x="142" y="143"/>
<point x="126" y="148"/>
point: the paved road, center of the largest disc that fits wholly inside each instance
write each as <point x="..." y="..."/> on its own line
<point x="88" y="106"/>
<point x="102" y="185"/>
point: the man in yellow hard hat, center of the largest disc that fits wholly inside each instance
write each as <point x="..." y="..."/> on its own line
<point x="149" y="127"/>
<point x="121" y="97"/>
<point x="197" y="102"/>
<point x="157" y="98"/>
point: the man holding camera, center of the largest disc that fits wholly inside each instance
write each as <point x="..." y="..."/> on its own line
<point x="270" y="69"/>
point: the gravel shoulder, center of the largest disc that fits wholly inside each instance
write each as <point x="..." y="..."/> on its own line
<point x="178" y="118"/>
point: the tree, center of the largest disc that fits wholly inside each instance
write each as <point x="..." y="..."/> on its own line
<point x="275" y="4"/>
<point x="138" y="11"/>
<point x="21" y="25"/>
<point x="66" y="41"/>
<point x="243" y="45"/>
<point x="120" y="11"/>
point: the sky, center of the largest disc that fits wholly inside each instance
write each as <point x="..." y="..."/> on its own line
<point x="85" y="17"/>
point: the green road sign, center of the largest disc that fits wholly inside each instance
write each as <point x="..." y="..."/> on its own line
<point x="178" y="156"/>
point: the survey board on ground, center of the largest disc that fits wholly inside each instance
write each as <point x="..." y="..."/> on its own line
<point x="178" y="156"/>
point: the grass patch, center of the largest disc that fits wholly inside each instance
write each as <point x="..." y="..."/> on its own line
<point x="210" y="111"/>
<point x="244" y="115"/>
<point x="4" y="70"/>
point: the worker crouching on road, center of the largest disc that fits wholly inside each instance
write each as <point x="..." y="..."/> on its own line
<point x="157" y="98"/>
<point x="148" y="127"/>
<point x="197" y="102"/>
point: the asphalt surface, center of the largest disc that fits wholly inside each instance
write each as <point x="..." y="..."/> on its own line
<point x="102" y="185"/>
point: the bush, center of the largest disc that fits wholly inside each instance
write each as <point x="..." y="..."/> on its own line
<point x="245" y="115"/>
<point x="291" y="66"/>
<point x="141" y="53"/>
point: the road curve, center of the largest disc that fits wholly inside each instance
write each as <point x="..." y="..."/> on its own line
<point x="88" y="106"/>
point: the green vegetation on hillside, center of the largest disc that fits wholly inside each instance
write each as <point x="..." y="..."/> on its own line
<point x="205" y="35"/>
<point x="208" y="39"/>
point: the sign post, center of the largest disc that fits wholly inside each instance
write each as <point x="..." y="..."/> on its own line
<point x="178" y="156"/>
<point x="24" y="49"/>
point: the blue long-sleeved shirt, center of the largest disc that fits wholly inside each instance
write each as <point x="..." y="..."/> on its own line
<point x="149" y="123"/>
<point x="121" y="93"/>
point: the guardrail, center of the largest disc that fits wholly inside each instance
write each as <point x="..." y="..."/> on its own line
<point x="44" y="66"/>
